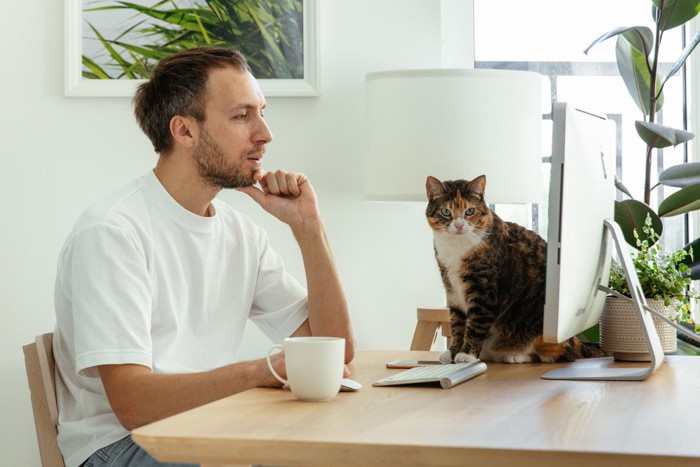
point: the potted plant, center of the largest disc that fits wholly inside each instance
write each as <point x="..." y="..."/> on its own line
<point x="664" y="278"/>
<point x="637" y="53"/>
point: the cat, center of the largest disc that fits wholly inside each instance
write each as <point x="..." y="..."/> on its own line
<point x="494" y="276"/>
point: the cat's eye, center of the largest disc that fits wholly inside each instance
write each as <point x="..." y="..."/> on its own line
<point x="445" y="212"/>
<point x="470" y="211"/>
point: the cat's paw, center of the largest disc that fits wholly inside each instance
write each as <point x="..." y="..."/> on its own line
<point x="464" y="358"/>
<point x="517" y="358"/>
<point x="446" y="357"/>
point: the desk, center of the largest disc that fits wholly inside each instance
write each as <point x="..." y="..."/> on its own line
<point x="505" y="417"/>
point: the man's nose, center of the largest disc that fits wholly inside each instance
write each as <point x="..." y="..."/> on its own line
<point x="263" y="135"/>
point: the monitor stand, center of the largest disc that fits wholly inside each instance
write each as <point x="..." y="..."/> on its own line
<point x="648" y="328"/>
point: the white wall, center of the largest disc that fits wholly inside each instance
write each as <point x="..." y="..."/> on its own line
<point x="59" y="154"/>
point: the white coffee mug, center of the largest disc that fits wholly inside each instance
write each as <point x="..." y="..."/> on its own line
<point x="314" y="366"/>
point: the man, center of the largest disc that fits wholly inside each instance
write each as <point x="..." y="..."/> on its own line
<point x="156" y="282"/>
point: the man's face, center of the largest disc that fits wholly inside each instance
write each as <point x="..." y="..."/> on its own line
<point x="232" y="138"/>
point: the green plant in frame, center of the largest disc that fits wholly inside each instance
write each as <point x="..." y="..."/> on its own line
<point x="268" y="32"/>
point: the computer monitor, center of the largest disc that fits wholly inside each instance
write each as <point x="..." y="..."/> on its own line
<point x="579" y="238"/>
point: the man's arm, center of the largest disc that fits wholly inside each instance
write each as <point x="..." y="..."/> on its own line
<point x="138" y="396"/>
<point x="291" y="198"/>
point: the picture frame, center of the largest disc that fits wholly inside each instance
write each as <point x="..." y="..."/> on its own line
<point x="75" y="85"/>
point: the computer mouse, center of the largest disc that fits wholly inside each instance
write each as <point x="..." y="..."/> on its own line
<point x="349" y="385"/>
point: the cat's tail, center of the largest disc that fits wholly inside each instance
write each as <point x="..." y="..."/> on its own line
<point x="586" y="349"/>
<point x="566" y="351"/>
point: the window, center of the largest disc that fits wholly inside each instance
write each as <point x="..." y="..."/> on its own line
<point x="549" y="37"/>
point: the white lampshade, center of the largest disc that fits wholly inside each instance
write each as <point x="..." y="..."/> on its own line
<point x="453" y="124"/>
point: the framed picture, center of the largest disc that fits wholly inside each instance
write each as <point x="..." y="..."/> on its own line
<point x="110" y="45"/>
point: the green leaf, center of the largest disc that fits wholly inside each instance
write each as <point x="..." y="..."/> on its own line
<point x="95" y="71"/>
<point x="681" y="175"/>
<point x="680" y="202"/>
<point x="661" y="136"/>
<point x="113" y="52"/>
<point x="630" y="215"/>
<point x="634" y="69"/>
<point x="676" y="12"/>
<point x="640" y="37"/>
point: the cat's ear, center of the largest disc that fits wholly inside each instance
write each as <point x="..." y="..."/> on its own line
<point x="434" y="188"/>
<point x="478" y="185"/>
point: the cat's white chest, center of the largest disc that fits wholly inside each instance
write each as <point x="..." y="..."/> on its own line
<point x="450" y="252"/>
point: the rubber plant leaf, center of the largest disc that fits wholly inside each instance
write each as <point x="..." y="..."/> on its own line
<point x="675" y="12"/>
<point x="640" y="37"/>
<point x="630" y="215"/>
<point x="681" y="175"/>
<point x="661" y="136"/>
<point x="685" y="200"/>
<point x="634" y="69"/>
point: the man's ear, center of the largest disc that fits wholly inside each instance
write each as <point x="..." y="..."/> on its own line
<point x="184" y="130"/>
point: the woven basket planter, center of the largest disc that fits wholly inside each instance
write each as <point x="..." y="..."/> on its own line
<point x="621" y="331"/>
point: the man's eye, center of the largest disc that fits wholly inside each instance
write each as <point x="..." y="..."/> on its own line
<point x="445" y="212"/>
<point x="242" y="117"/>
<point x="470" y="211"/>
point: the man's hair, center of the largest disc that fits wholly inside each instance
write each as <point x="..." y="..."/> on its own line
<point x="177" y="86"/>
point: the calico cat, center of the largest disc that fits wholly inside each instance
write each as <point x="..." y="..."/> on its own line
<point x="494" y="275"/>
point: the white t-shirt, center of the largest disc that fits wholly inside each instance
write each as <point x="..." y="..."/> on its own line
<point x="141" y="280"/>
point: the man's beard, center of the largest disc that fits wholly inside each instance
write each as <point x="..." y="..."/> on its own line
<point x="213" y="167"/>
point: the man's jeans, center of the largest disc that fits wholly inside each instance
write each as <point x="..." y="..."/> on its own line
<point x="126" y="453"/>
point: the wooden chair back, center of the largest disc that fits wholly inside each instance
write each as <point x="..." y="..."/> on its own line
<point x="41" y="375"/>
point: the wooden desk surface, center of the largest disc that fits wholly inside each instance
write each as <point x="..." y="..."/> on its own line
<point x="507" y="416"/>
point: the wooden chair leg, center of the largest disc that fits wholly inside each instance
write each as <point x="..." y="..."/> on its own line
<point x="430" y="321"/>
<point x="424" y="335"/>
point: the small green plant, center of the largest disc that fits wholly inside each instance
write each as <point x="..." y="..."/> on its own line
<point x="662" y="275"/>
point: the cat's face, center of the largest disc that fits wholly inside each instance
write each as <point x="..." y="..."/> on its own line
<point x="457" y="207"/>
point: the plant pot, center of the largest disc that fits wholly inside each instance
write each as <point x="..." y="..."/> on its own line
<point x="621" y="330"/>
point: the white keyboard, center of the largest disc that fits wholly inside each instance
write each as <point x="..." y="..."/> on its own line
<point x="447" y="375"/>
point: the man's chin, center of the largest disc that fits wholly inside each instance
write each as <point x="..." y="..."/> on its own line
<point x="231" y="179"/>
<point x="237" y="182"/>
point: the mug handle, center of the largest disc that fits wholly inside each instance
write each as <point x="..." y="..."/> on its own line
<point x="269" y="364"/>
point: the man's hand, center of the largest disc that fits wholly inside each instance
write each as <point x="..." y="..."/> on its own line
<point x="267" y="379"/>
<point x="286" y="195"/>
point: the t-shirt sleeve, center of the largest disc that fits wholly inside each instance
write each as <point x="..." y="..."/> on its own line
<point x="111" y="299"/>
<point x="280" y="303"/>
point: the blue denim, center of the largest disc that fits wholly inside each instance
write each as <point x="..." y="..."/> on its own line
<point x="126" y="453"/>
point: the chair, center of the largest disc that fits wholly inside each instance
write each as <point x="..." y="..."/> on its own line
<point x="430" y="321"/>
<point x="41" y="375"/>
